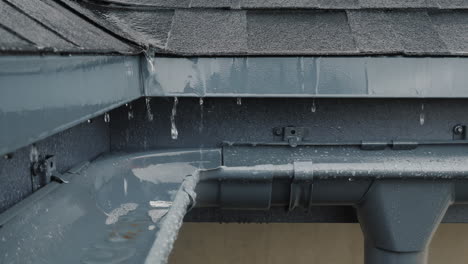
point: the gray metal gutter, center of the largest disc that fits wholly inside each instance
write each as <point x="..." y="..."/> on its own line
<point x="399" y="203"/>
<point x="111" y="211"/>
<point x="45" y="95"/>
<point x="184" y="200"/>
<point x="343" y="77"/>
<point x="41" y="96"/>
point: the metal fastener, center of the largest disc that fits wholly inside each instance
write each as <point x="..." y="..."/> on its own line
<point x="458" y="129"/>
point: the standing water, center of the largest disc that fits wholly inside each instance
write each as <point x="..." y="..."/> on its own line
<point x="174" y="132"/>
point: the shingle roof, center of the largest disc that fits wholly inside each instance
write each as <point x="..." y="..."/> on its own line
<point x="241" y="27"/>
<point x="45" y="25"/>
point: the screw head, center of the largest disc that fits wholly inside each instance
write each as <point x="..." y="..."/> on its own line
<point x="458" y="129"/>
<point x="277" y="131"/>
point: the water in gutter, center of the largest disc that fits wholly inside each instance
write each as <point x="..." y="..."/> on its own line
<point x="112" y="211"/>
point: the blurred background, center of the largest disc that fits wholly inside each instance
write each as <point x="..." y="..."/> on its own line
<point x="297" y="243"/>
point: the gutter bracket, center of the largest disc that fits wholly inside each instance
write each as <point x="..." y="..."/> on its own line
<point x="292" y="135"/>
<point x="43" y="171"/>
<point x="301" y="185"/>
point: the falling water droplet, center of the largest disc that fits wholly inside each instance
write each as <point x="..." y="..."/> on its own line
<point x="150" y="61"/>
<point x="125" y="186"/>
<point x="130" y="112"/>
<point x="314" y="107"/>
<point x="174" y="132"/>
<point x="239" y="101"/>
<point x="106" y="117"/>
<point x="200" y="125"/>
<point x="422" y="116"/>
<point x="129" y="68"/>
<point x="149" y="114"/>
<point x="317" y="75"/>
<point x="34" y="154"/>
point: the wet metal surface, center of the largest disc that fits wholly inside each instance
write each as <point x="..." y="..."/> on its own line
<point x="337" y="121"/>
<point x="108" y="213"/>
<point x="375" y="77"/>
<point x="41" y="96"/>
<point x="87" y="140"/>
<point x="44" y="95"/>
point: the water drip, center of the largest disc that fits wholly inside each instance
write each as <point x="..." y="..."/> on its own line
<point x="174" y="132"/>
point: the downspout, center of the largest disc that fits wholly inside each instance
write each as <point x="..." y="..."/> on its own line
<point x="399" y="204"/>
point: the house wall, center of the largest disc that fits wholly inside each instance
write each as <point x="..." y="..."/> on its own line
<point x="297" y="243"/>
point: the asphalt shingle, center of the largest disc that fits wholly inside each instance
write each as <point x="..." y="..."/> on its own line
<point x="416" y="32"/>
<point x="279" y="3"/>
<point x="208" y="32"/>
<point x="149" y="28"/>
<point x="11" y="40"/>
<point x="29" y="29"/>
<point x="452" y="27"/>
<point x="212" y="3"/>
<point x="398" y="3"/>
<point x="299" y="32"/>
<point x="373" y="32"/>
<point x="68" y="25"/>
<point x="153" y="3"/>
<point x="240" y="27"/>
<point x="338" y="4"/>
<point x="395" y="32"/>
<point x="448" y="4"/>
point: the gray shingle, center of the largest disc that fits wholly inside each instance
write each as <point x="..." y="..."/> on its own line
<point x="208" y="32"/>
<point x="12" y="19"/>
<point x="398" y="3"/>
<point x="446" y="4"/>
<point x="154" y="3"/>
<point x="280" y="3"/>
<point x="214" y="27"/>
<point x="211" y="3"/>
<point x="88" y="11"/>
<point x="338" y="4"/>
<point x="395" y="31"/>
<point x="416" y="33"/>
<point x="148" y="27"/>
<point x="8" y="39"/>
<point x="299" y="32"/>
<point x="452" y="26"/>
<point x="303" y="4"/>
<point x="70" y="26"/>
<point x="373" y="32"/>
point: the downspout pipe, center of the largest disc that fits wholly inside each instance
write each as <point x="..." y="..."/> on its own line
<point x="399" y="204"/>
